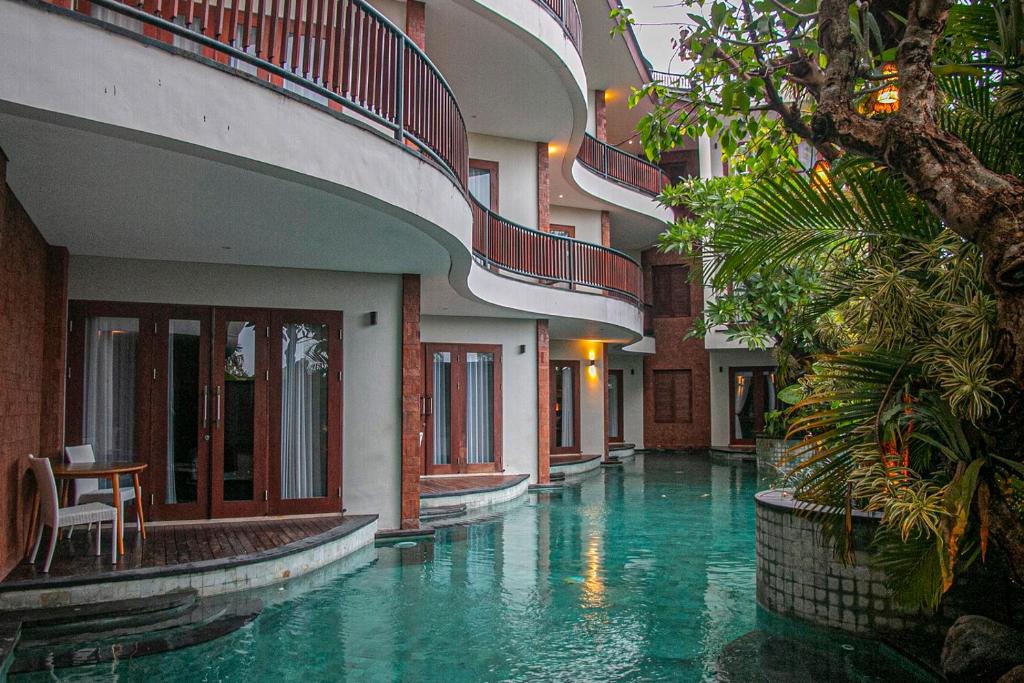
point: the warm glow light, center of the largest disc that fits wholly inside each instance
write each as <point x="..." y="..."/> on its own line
<point x="592" y="355"/>
<point x="820" y="176"/>
<point x="553" y="148"/>
<point x="887" y="99"/>
<point x="592" y="370"/>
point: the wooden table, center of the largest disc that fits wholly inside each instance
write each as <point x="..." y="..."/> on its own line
<point x="112" y="471"/>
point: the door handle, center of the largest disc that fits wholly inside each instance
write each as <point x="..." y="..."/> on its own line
<point x="206" y="406"/>
<point x="216" y="415"/>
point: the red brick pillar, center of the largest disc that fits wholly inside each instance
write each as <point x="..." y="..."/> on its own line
<point x="543" y="188"/>
<point x="543" y="403"/>
<point x="55" y="347"/>
<point x="416" y="22"/>
<point x="606" y="229"/>
<point x="412" y="392"/>
<point x="600" y="117"/>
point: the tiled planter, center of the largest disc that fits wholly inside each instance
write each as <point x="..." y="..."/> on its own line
<point x="798" y="576"/>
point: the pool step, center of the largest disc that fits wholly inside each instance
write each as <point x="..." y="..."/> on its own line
<point x="60" y="622"/>
<point x="442" y="512"/>
<point x="105" y="637"/>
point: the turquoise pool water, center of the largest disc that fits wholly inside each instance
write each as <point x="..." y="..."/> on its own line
<point x="643" y="573"/>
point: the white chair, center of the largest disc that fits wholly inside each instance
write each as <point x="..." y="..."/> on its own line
<point x="89" y="491"/>
<point x="55" y="517"/>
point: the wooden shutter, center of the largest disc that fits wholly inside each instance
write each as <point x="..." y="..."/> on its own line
<point x="671" y="285"/>
<point x="673" y="396"/>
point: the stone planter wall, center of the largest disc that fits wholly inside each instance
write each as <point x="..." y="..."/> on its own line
<point x="798" y="576"/>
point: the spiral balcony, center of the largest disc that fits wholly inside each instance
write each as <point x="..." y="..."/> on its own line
<point x="621" y="167"/>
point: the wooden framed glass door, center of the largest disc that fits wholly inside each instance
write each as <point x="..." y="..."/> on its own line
<point x="180" y="461"/>
<point x="565" y="406"/>
<point x="751" y="395"/>
<point x="238" y="412"/>
<point x="615" y="419"/>
<point x="306" y="410"/>
<point x="462" y="408"/>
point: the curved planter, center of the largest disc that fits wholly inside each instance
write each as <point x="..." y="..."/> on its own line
<point x="799" y="577"/>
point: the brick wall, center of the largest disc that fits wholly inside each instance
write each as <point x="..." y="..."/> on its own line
<point x="33" y="305"/>
<point x="675" y="353"/>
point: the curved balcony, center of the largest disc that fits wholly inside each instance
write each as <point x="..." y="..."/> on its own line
<point x="342" y="52"/>
<point x="554" y="259"/>
<point x="620" y="167"/>
<point x="568" y="15"/>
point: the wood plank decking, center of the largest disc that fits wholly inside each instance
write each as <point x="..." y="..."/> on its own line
<point x="172" y="544"/>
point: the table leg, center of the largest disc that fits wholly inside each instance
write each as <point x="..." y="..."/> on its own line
<point x="116" y="485"/>
<point x="138" y="505"/>
<point x="32" y="521"/>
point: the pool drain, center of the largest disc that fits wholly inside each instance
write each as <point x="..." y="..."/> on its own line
<point x="406" y="544"/>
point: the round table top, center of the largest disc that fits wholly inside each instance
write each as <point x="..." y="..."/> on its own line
<point x="86" y="470"/>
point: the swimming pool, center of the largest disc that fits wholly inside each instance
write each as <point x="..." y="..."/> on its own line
<point x="639" y="573"/>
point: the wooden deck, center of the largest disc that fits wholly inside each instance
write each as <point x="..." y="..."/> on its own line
<point x="166" y="546"/>
<point x="470" y="483"/>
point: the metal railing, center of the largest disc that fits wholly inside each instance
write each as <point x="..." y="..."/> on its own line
<point x="622" y="167"/>
<point x="554" y="259"/>
<point x="568" y="15"/>
<point x="343" y="51"/>
<point x="677" y="82"/>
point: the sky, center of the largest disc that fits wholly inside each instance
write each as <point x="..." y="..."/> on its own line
<point x="657" y="23"/>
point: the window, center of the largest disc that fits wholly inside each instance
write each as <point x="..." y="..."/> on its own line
<point x="751" y="395"/>
<point x="483" y="182"/>
<point x="671" y="285"/>
<point x="673" y="396"/>
<point x="563" y="230"/>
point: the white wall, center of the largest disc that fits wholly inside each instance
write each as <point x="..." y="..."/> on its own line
<point x="371" y="446"/>
<point x="591" y="113"/>
<point x="591" y="390"/>
<point x="632" y="395"/>
<point x="721" y="361"/>
<point x="586" y="221"/>
<point x="393" y="10"/>
<point x="518" y="378"/>
<point x="517" y="175"/>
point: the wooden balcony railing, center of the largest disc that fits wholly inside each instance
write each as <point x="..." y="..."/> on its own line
<point x="677" y="82"/>
<point x="614" y="164"/>
<point x="343" y="52"/>
<point x="568" y="15"/>
<point x="554" y="259"/>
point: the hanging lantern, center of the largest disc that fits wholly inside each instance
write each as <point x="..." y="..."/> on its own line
<point x="886" y="100"/>
<point x="821" y="177"/>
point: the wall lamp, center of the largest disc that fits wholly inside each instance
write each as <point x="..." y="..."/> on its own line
<point x="592" y="366"/>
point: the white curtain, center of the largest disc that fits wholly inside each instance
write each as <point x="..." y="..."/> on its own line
<point x="480" y="185"/>
<point x="742" y="389"/>
<point x="303" y="412"/>
<point x="110" y="367"/>
<point x="442" y="408"/>
<point x="769" y="379"/>
<point x="479" y="408"/>
<point x="568" y="425"/>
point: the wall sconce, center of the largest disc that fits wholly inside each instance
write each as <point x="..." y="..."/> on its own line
<point x="522" y="348"/>
<point x="592" y="368"/>
<point x="371" y="318"/>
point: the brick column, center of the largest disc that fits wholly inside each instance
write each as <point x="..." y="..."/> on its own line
<point x="600" y="117"/>
<point x="412" y="392"/>
<point x="416" y="22"/>
<point x="543" y="403"/>
<point x="606" y="229"/>
<point x="55" y="347"/>
<point x="543" y="188"/>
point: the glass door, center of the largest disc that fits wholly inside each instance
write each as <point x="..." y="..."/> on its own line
<point x="565" y="406"/>
<point x="751" y="395"/>
<point x="462" y="408"/>
<point x="615" y="428"/>
<point x="305" y="420"/>
<point x="181" y="414"/>
<point x="238" y="412"/>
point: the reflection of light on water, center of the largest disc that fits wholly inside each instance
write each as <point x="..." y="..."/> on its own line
<point x="593" y="581"/>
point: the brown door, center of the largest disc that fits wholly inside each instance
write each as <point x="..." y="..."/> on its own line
<point x="565" y="406"/>
<point x="181" y="421"/>
<point x="111" y="377"/>
<point x="615" y="427"/>
<point x="462" y="408"/>
<point x="305" y="412"/>
<point x="751" y="395"/>
<point x="239" y="385"/>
